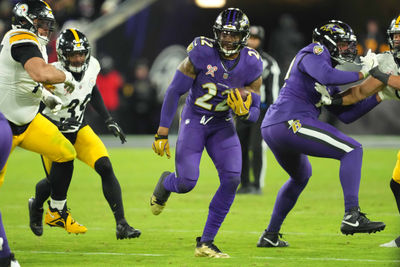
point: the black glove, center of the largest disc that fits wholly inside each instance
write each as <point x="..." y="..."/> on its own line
<point x="68" y="124"/>
<point x="113" y="127"/>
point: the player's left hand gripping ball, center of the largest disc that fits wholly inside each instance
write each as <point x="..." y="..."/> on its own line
<point x="113" y="127"/>
<point x="161" y="144"/>
<point x="236" y="103"/>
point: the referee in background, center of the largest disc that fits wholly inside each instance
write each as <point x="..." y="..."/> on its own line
<point x="254" y="155"/>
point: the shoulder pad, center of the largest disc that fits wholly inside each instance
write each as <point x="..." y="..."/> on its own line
<point x="253" y="60"/>
<point x="93" y="61"/>
<point x="22" y="36"/>
<point x="199" y="50"/>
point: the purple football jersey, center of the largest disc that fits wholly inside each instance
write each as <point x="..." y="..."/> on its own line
<point x="214" y="80"/>
<point x="298" y="96"/>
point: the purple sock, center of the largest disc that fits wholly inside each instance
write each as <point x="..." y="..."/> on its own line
<point x="350" y="175"/>
<point x="5" y="252"/>
<point x="219" y="207"/>
<point x="285" y="201"/>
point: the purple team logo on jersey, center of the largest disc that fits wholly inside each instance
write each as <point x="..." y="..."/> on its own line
<point x="211" y="70"/>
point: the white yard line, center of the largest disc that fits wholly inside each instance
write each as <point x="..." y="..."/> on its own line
<point x="163" y="255"/>
<point x="326" y="259"/>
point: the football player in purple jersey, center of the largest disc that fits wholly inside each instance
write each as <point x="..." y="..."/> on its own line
<point x="6" y="257"/>
<point x="223" y="77"/>
<point x="293" y="132"/>
<point x="385" y="81"/>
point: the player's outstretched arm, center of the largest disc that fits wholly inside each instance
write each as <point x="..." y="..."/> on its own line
<point x="368" y="87"/>
<point x="181" y="83"/>
<point x="386" y="79"/>
<point x="42" y="72"/>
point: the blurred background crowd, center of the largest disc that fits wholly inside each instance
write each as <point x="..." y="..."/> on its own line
<point x="139" y="44"/>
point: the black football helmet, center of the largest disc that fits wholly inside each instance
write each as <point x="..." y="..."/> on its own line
<point x="69" y="42"/>
<point x="31" y="15"/>
<point x="231" y="21"/>
<point x="394" y="27"/>
<point x="332" y="32"/>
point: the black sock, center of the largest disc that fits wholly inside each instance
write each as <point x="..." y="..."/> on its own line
<point x="111" y="188"/>
<point x="396" y="192"/>
<point x="60" y="178"/>
<point x="43" y="190"/>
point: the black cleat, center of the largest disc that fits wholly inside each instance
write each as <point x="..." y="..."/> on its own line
<point x="208" y="249"/>
<point x="160" y="195"/>
<point x="9" y="261"/>
<point x="271" y="240"/>
<point x="35" y="218"/>
<point x="124" y="230"/>
<point x="354" y="221"/>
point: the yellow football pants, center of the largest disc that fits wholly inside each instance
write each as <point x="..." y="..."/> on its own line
<point x="89" y="148"/>
<point x="396" y="171"/>
<point x="43" y="137"/>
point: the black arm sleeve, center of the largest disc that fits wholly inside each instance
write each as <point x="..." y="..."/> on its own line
<point x="98" y="104"/>
<point x="21" y="53"/>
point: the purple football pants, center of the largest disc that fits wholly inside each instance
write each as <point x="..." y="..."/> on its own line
<point x="219" y="138"/>
<point x="291" y="142"/>
<point x="5" y="147"/>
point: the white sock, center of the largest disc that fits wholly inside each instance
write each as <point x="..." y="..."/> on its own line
<point x="57" y="204"/>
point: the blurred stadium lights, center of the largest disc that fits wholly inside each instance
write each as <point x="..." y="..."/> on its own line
<point x="210" y="3"/>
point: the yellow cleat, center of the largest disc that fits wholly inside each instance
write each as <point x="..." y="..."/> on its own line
<point x="208" y="249"/>
<point x="156" y="208"/>
<point x="63" y="219"/>
<point x="160" y="196"/>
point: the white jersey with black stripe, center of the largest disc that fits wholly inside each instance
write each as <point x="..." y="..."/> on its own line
<point x="74" y="104"/>
<point x="388" y="65"/>
<point x="19" y="93"/>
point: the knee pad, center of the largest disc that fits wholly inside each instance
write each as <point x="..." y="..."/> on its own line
<point x="103" y="166"/>
<point x="230" y="183"/>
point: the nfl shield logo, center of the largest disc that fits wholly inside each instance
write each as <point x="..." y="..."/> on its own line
<point x="225" y="76"/>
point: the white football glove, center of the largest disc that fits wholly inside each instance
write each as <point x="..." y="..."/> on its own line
<point x="53" y="102"/>
<point x="389" y="93"/>
<point x="69" y="83"/>
<point x="368" y="62"/>
<point x="325" y="96"/>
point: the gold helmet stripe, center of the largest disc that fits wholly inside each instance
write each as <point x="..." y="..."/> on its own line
<point x="397" y="22"/>
<point x="76" y="37"/>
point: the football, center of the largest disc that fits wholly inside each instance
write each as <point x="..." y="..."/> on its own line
<point x="244" y="93"/>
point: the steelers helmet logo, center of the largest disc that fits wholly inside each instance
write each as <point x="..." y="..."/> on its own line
<point x="22" y="10"/>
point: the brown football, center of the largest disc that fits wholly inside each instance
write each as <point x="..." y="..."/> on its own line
<point x="243" y="93"/>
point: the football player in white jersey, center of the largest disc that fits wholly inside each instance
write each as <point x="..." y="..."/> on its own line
<point x="73" y="51"/>
<point x="23" y="71"/>
<point x="385" y="81"/>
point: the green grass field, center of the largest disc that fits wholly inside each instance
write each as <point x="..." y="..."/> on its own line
<point x="312" y="228"/>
